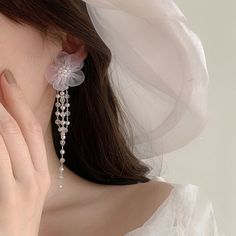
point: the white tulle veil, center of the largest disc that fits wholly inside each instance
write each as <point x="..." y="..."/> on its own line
<point x="158" y="71"/>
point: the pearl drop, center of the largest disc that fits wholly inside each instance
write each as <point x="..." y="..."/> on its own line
<point x="62" y="142"/>
<point x="62" y="151"/>
<point x="57" y="122"/>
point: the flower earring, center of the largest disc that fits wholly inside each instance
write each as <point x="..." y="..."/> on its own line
<point x="64" y="73"/>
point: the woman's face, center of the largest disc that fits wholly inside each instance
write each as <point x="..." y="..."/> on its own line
<point x="23" y="51"/>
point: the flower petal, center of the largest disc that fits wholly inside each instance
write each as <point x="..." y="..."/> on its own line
<point x="51" y="73"/>
<point x="61" y="58"/>
<point x="76" y="79"/>
<point x="78" y="66"/>
<point x="60" y="85"/>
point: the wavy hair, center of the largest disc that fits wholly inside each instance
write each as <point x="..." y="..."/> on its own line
<point x="96" y="146"/>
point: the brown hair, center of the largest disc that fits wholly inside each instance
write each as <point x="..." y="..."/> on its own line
<point x="96" y="148"/>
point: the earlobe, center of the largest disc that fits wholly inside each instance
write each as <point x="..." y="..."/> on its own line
<point x="82" y="53"/>
<point x="74" y="45"/>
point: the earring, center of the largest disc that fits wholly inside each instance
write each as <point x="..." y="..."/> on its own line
<point x="65" y="72"/>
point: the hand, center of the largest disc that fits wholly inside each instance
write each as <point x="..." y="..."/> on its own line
<point x="25" y="179"/>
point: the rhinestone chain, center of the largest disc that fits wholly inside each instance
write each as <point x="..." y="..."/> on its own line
<point x="62" y="103"/>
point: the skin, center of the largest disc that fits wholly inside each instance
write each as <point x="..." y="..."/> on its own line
<point x="30" y="169"/>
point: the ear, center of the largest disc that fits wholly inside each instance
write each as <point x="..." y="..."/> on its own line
<point x="74" y="45"/>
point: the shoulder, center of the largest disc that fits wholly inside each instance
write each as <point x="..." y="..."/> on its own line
<point x="187" y="203"/>
<point x="145" y="200"/>
<point x="191" y="202"/>
<point x="152" y="196"/>
<point x="155" y="192"/>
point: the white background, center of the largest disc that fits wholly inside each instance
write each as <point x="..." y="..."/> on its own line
<point x="209" y="161"/>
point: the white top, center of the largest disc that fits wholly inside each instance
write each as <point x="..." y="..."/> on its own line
<point x="187" y="211"/>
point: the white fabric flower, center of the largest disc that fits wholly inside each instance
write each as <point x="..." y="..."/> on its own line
<point x="65" y="72"/>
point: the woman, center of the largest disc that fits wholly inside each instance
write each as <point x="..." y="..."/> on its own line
<point x="59" y="109"/>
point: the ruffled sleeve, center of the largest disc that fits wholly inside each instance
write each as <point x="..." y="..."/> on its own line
<point x="186" y="212"/>
<point x="202" y="218"/>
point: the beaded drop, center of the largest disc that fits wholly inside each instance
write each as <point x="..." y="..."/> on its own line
<point x="62" y="113"/>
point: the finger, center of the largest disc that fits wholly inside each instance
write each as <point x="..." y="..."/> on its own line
<point x="16" y="146"/>
<point x="7" y="176"/>
<point x="30" y="126"/>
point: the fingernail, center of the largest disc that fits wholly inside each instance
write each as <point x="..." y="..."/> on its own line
<point x="9" y="77"/>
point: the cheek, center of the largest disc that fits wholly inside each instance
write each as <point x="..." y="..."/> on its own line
<point x="23" y="52"/>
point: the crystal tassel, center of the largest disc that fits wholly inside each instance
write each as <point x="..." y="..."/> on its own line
<point x="62" y="104"/>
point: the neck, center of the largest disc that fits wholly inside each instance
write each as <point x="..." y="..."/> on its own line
<point x="73" y="185"/>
